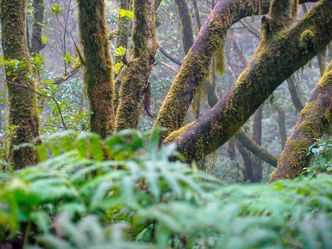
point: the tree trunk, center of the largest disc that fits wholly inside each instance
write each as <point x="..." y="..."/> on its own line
<point x="281" y="120"/>
<point x="134" y="78"/>
<point x="98" y="64"/>
<point x="23" y="114"/>
<point x="257" y="137"/>
<point x="294" y="94"/>
<point x="122" y="39"/>
<point x="285" y="52"/>
<point x="37" y="27"/>
<point x="314" y="121"/>
<point x="186" y="25"/>
<point x="196" y="65"/>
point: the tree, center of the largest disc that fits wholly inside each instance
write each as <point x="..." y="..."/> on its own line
<point x="23" y="114"/>
<point x="98" y="65"/>
<point x="314" y="121"/>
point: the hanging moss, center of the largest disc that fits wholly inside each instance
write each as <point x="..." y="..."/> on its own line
<point x="98" y="65"/>
<point x="256" y="83"/>
<point x="23" y="113"/>
<point x="220" y="59"/>
<point x="196" y="64"/>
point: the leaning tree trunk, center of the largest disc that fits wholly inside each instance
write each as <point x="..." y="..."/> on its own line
<point x="134" y="78"/>
<point x="23" y="113"/>
<point x="196" y="65"/>
<point x="314" y="121"/>
<point x="285" y="51"/>
<point x="98" y="64"/>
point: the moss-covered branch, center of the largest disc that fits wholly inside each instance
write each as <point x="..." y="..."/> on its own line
<point x="196" y="65"/>
<point x="315" y="119"/>
<point x="286" y="52"/>
<point x="255" y="148"/>
<point x="134" y="78"/>
<point x="98" y="64"/>
<point x="23" y="113"/>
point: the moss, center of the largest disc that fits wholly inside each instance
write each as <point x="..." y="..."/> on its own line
<point x="23" y="112"/>
<point x="307" y="40"/>
<point x="178" y="133"/>
<point x="134" y="78"/>
<point x="98" y="68"/>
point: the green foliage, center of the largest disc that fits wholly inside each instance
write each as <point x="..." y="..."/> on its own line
<point x="321" y="162"/>
<point x="126" y="14"/>
<point x="123" y="192"/>
<point x="56" y="9"/>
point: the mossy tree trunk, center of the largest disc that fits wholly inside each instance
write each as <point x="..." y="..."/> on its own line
<point x="285" y="51"/>
<point x="36" y="44"/>
<point x="23" y="114"/>
<point x="196" y="65"/>
<point x="315" y="119"/>
<point x="98" y="64"/>
<point x="134" y="78"/>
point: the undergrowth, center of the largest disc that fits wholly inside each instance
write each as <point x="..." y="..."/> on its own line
<point x="124" y="192"/>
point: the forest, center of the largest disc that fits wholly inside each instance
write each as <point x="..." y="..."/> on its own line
<point x="161" y="124"/>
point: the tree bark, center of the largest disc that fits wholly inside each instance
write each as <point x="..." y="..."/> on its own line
<point x="281" y="120"/>
<point x="134" y="78"/>
<point x="196" y="65"/>
<point x="285" y="52"/>
<point x="257" y="137"/>
<point x="294" y="94"/>
<point x="37" y="27"/>
<point x="23" y="112"/>
<point x="186" y="25"/>
<point x="315" y="119"/>
<point x="98" y="64"/>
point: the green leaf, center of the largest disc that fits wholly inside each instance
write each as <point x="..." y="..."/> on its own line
<point x="44" y="39"/>
<point x="126" y="13"/>
<point x="56" y="9"/>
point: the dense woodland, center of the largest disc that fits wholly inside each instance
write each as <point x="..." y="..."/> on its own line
<point x="134" y="124"/>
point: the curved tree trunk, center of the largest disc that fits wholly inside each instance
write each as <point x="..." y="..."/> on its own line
<point x="134" y="78"/>
<point x="98" y="64"/>
<point x="314" y="121"/>
<point x="285" y="52"/>
<point x="23" y="113"/>
<point x="196" y="65"/>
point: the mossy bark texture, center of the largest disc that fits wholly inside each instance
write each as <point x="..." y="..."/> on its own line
<point x="315" y="119"/>
<point x="197" y="62"/>
<point x="134" y="78"/>
<point x="23" y="115"/>
<point x="37" y="27"/>
<point x="98" y="64"/>
<point x="286" y="52"/>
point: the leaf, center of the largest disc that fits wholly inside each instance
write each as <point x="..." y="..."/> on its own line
<point x="44" y="39"/>
<point x="126" y="13"/>
<point x="56" y="9"/>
